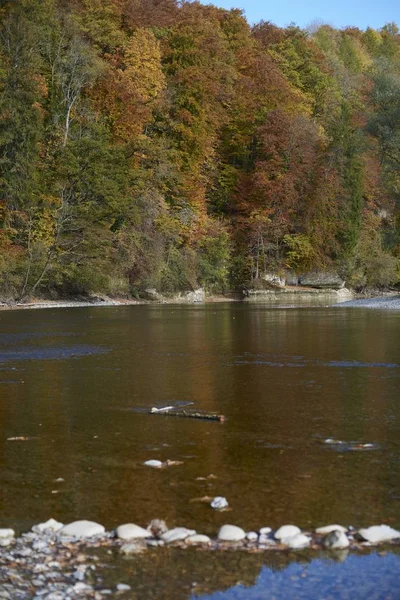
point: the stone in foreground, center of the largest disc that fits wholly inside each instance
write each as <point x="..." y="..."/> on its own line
<point x="177" y="534"/>
<point x="231" y="533"/>
<point x="335" y="540"/>
<point x="6" y="534"/>
<point x="82" y="529"/>
<point x="286" y="531"/>
<point x="329" y="528"/>
<point x="379" y="533"/>
<point x="130" y="531"/>
<point x="50" y="526"/>
<point x="297" y="541"/>
<point x="132" y="548"/>
<point x="197" y="539"/>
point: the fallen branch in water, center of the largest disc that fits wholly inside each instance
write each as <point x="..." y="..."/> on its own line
<point x="168" y="412"/>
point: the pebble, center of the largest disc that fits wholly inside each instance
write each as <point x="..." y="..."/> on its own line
<point x="49" y="526"/>
<point x="286" y="531"/>
<point x="132" y="548"/>
<point x="265" y="530"/>
<point x="130" y="531"/>
<point x="329" y="528"/>
<point x="82" y="529"/>
<point x="6" y="533"/>
<point x="297" y="541"/>
<point x="177" y="534"/>
<point x="379" y="533"/>
<point x="156" y="464"/>
<point x="123" y="587"/>
<point x="197" y="539"/>
<point x="252" y="536"/>
<point x="231" y="533"/>
<point x="336" y="539"/>
<point x="219" y="503"/>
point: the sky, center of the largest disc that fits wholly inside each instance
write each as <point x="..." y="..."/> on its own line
<point x="338" y="13"/>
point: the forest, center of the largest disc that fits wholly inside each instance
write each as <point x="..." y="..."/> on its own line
<point x="169" y="144"/>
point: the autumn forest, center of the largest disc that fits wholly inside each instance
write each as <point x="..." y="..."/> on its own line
<point x="171" y="145"/>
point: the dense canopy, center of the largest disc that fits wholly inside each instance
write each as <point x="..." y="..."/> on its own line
<point x="168" y="144"/>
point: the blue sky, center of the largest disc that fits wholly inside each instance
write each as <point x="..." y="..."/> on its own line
<point x="339" y="13"/>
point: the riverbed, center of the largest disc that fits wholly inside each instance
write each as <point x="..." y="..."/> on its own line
<point x="310" y="396"/>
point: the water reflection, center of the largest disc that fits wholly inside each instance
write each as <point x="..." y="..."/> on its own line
<point x="285" y="378"/>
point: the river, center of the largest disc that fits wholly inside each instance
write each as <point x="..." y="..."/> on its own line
<point x="77" y="384"/>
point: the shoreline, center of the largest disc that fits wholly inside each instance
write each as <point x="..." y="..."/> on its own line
<point x="344" y="299"/>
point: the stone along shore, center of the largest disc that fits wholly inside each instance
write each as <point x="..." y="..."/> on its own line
<point x="58" y="562"/>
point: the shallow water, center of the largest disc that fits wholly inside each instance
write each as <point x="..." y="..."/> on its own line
<point x="77" y="383"/>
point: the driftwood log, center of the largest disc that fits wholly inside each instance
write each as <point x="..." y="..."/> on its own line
<point x="187" y="414"/>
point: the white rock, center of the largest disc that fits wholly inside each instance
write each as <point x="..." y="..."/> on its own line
<point x="336" y="540"/>
<point x="82" y="588"/>
<point x="177" y="534"/>
<point x="231" y="533"/>
<point x="6" y="534"/>
<point x="130" y="531"/>
<point x="252" y="536"/>
<point x="123" y="587"/>
<point x="329" y="528"/>
<point x="132" y="548"/>
<point x="82" y="529"/>
<point x="219" y="502"/>
<point x="379" y="533"/>
<point x="265" y="530"/>
<point x="297" y="541"/>
<point x="49" y="526"/>
<point x="265" y="539"/>
<point x="286" y="531"/>
<point x="156" y="464"/>
<point x="5" y="542"/>
<point x="197" y="539"/>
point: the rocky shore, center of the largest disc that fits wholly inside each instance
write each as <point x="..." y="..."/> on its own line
<point x="391" y="302"/>
<point x="58" y="562"/>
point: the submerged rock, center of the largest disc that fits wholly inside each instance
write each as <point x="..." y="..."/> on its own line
<point x="379" y="533"/>
<point x="132" y="548"/>
<point x="286" y="531"/>
<point x="336" y="539"/>
<point x="329" y="528"/>
<point x="82" y="529"/>
<point x="177" y="534"/>
<point x="130" y="531"/>
<point x="231" y="533"/>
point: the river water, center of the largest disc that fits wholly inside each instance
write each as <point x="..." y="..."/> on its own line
<point x="77" y="384"/>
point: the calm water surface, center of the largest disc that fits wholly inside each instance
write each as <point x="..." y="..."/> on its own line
<point x="77" y="383"/>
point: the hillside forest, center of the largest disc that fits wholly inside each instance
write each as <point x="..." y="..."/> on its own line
<point x="169" y="144"/>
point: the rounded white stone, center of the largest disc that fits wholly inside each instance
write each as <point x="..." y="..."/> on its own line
<point x="231" y="533"/>
<point x="329" y="528"/>
<point x="130" y="531"/>
<point x="5" y="534"/>
<point x="156" y="464"/>
<point x="51" y="526"/>
<point x="197" y="539"/>
<point x="286" y="531"/>
<point x="336" y="540"/>
<point x="379" y="533"/>
<point x="177" y="534"/>
<point x="82" y="529"/>
<point x="252" y="536"/>
<point x="265" y="530"/>
<point x="297" y="541"/>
